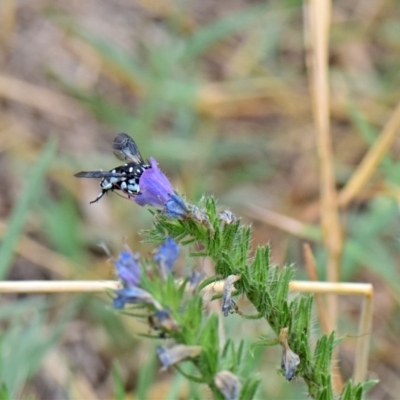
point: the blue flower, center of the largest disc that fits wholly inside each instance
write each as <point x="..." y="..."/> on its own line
<point x="134" y="295"/>
<point x="156" y="191"/>
<point x="167" y="255"/>
<point x="128" y="271"/>
<point x="128" y="268"/>
<point x="175" y="207"/>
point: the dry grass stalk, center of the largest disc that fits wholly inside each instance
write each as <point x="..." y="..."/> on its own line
<point x="249" y="97"/>
<point x="37" y="97"/>
<point x="56" y="366"/>
<point x="57" y="286"/>
<point x="364" y="332"/>
<point x="280" y="221"/>
<point x="7" y="22"/>
<point x="372" y="159"/>
<point x="341" y="288"/>
<point x="311" y="268"/>
<point x="93" y="58"/>
<point x="319" y="21"/>
<point x="167" y="10"/>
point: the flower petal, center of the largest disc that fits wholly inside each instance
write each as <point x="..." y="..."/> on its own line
<point x="134" y="295"/>
<point x="128" y="268"/>
<point x="175" y="207"/>
<point x="167" y="255"/>
<point x="155" y="188"/>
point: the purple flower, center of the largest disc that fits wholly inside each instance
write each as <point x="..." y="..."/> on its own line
<point x="167" y="255"/>
<point x="156" y="191"/>
<point x="128" y="268"/>
<point x="134" y="295"/>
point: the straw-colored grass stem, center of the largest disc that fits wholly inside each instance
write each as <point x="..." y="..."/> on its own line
<point x="319" y="22"/>
<point x="39" y="98"/>
<point x="364" y="339"/>
<point x="372" y="159"/>
<point x="283" y="222"/>
<point x="311" y="268"/>
<point x="89" y="286"/>
<point x="7" y="22"/>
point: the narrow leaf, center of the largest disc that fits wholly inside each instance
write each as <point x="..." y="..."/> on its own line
<point x="19" y="214"/>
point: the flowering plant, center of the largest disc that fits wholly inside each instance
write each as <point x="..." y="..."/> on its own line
<point x="175" y="308"/>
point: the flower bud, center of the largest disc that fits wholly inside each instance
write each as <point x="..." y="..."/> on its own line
<point x="163" y="320"/>
<point x="167" y="255"/>
<point x="228" y="384"/>
<point x="227" y="302"/>
<point x="290" y="360"/>
<point x="173" y="355"/>
<point x="227" y="216"/>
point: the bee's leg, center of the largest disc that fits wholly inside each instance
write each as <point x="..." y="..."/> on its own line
<point x="103" y="192"/>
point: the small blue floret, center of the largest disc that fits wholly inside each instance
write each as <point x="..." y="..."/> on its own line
<point x="128" y="268"/>
<point x="167" y="255"/>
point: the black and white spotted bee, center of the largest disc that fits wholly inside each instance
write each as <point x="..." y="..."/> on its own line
<point x="124" y="178"/>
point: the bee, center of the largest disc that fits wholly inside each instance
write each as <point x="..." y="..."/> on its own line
<point x="124" y="178"/>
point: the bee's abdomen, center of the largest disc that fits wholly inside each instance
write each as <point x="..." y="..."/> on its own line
<point x="129" y="182"/>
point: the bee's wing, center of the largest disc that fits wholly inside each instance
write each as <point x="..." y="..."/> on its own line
<point x="125" y="149"/>
<point x="99" y="174"/>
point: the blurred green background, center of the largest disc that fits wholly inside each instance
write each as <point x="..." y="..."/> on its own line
<point x="218" y="93"/>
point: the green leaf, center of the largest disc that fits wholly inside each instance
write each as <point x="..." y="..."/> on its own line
<point x="119" y="389"/>
<point x="209" y="35"/>
<point x="30" y="193"/>
<point x="29" y="345"/>
<point x="260" y="265"/>
<point x="146" y="378"/>
<point x="208" y="338"/>
<point x="61" y="226"/>
<point x="249" y="389"/>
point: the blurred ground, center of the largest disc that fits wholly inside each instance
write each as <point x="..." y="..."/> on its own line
<point x="220" y="96"/>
